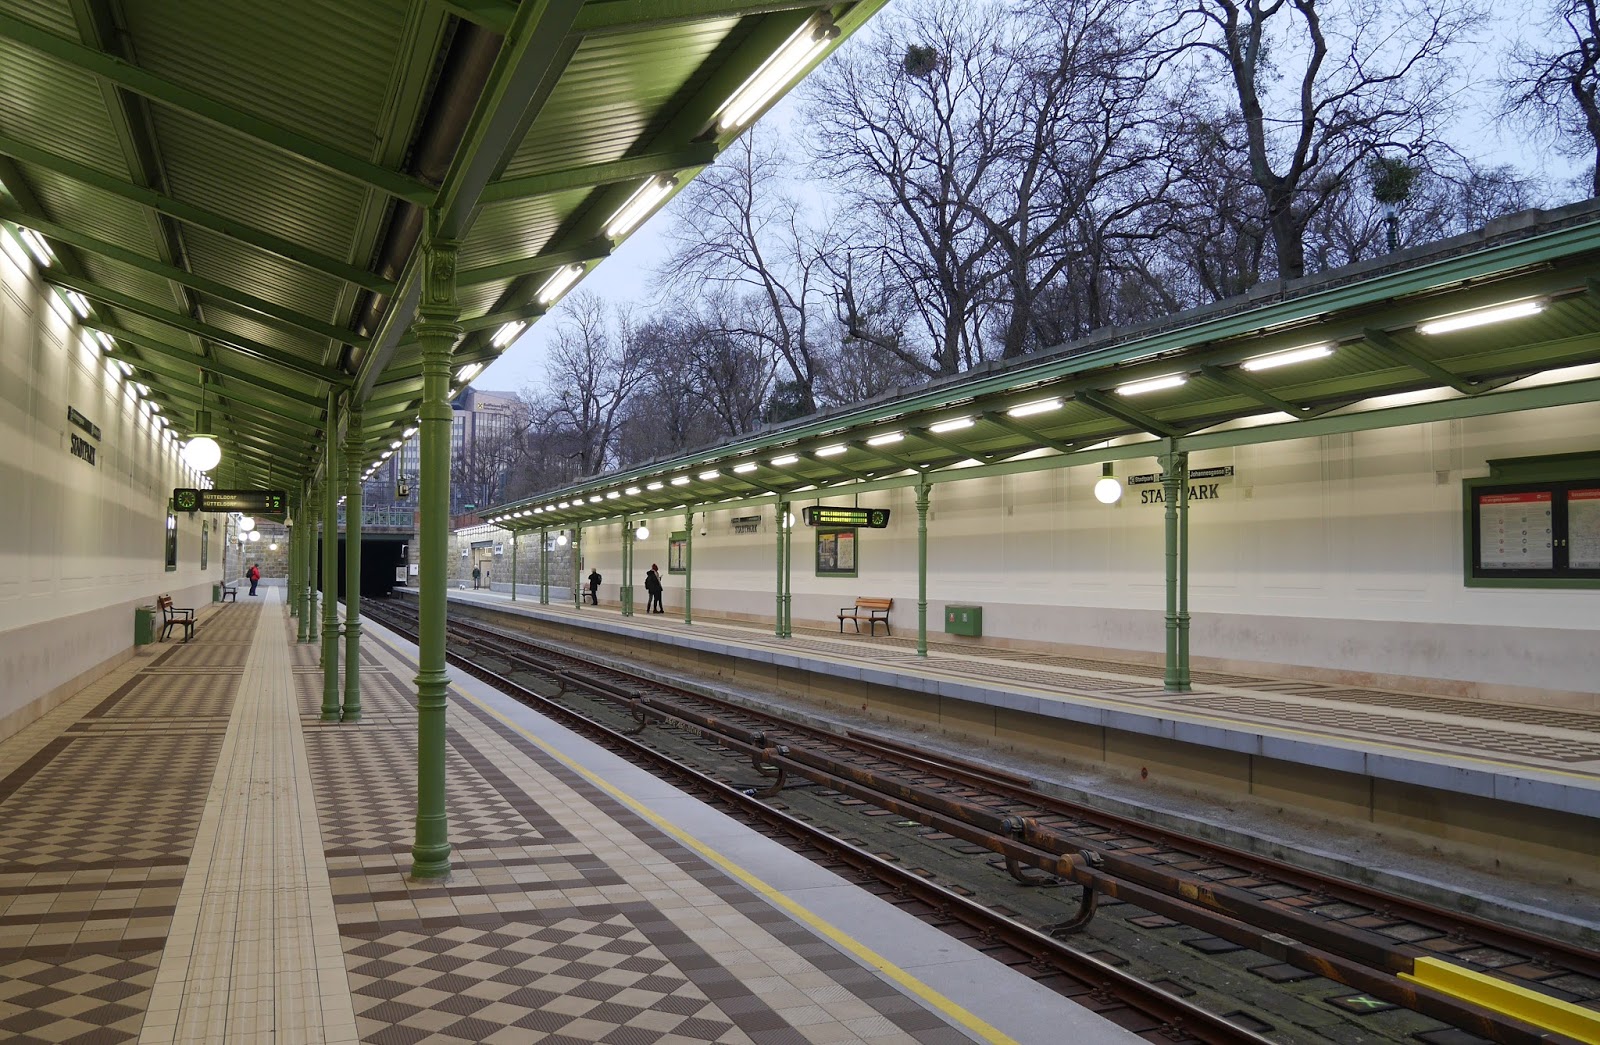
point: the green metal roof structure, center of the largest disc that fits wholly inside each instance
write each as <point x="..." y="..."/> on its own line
<point x="238" y="189"/>
<point x="1350" y="350"/>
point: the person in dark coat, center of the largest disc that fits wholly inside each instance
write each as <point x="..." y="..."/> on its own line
<point x="652" y="584"/>
<point x="594" y="586"/>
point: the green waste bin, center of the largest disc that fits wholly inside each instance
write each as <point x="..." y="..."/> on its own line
<point x="144" y="625"/>
<point x="216" y="593"/>
<point x="963" y="620"/>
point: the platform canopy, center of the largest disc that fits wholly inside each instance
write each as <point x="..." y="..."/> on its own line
<point x="237" y="189"/>
<point x="1502" y="320"/>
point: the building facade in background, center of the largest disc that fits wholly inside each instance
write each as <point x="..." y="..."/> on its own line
<point x="483" y="432"/>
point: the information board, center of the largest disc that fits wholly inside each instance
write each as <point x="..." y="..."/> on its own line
<point x="251" y="502"/>
<point x="1514" y="531"/>
<point x="872" y="518"/>
<point x="1583" y="529"/>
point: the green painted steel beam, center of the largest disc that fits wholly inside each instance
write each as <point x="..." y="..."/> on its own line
<point x="1000" y="420"/>
<point x="493" y="15"/>
<point x="168" y="368"/>
<point x="1389" y="346"/>
<point x="497" y="319"/>
<point x="285" y="432"/>
<point x="149" y="346"/>
<point x="236" y="342"/>
<point x="199" y="216"/>
<point x="1232" y="381"/>
<point x="124" y="74"/>
<point x="629" y="16"/>
<point x="1141" y="420"/>
<point x="666" y="161"/>
<point x="210" y="287"/>
<point x="592" y="250"/>
<point x="960" y="452"/>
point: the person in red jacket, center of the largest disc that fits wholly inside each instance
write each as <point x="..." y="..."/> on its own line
<point x="254" y="573"/>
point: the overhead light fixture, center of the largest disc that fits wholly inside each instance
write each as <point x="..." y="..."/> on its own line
<point x="748" y="466"/>
<point x="272" y="546"/>
<point x="810" y="40"/>
<point x="595" y="498"/>
<point x="1154" y="384"/>
<point x="255" y="535"/>
<point x="886" y="438"/>
<point x="246" y="523"/>
<point x="831" y="451"/>
<point x="1107" y="489"/>
<point x="1482" y="316"/>
<point x="397" y="444"/>
<point x="1293" y="355"/>
<point x="556" y="285"/>
<point x="201" y="452"/>
<point x="654" y="486"/>
<point x="955" y="424"/>
<point x="642" y="533"/>
<point x="1038" y="406"/>
<point x="613" y="494"/>
<point x="561" y="539"/>
<point x="124" y="366"/>
<point x="566" y="504"/>
<point x="507" y="334"/>
<point x="680" y="480"/>
<point x="630" y="491"/>
<point x="408" y="433"/>
<point x="79" y="303"/>
<point x="468" y="372"/>
<point x="37" y="247"/>
<point x="638" y="206"/>
<point x="706" y="477"/>
<point x="786" y="459"/>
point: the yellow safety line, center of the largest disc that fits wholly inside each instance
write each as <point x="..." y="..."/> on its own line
<point x="1513" y="1000"/>
<point x="953" y="1011"/>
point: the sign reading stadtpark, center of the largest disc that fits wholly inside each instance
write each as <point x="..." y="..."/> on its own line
<point x="872" y="518"/>
<point x="251" y="502"/>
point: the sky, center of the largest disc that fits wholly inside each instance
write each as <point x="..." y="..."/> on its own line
<point x="628" y="275"/>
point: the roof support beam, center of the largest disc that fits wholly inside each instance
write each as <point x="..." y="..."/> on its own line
<point x="1138" y="418"/>
<point x="893" y="459"/>
<point x="997" y="418"/>
<point x="593" y="250"/>
<point x="1388" y="345"/>
<point x="833" y="466"/>
<point x="138" y="307"/>
<point x="185" y="212"/>
<point x="695" y="154"/>
<point x="180" y="366"/>
<point x="219" y="401"/>
<point x="962" y="453"/>
<point x="124" y="74"/>
<point x="209" y="287"/>
<point x="626" y="16"/>
<point x="1232" y="381"/>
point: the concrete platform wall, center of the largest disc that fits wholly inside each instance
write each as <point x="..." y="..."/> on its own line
<point x="1337" y="558"/>
<point x="81" y="544"/>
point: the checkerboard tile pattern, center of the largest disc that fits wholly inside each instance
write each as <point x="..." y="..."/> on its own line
<point x="97" y="996"/>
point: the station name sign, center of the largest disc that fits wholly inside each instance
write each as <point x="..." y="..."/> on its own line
<point x="254" y="502"/>
<point x="872" y="518"/>
<point x="1149" y="478"/>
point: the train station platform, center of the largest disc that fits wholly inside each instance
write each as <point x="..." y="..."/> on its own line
<point x="1523" y="777"/>
<point x="189" y="854"/>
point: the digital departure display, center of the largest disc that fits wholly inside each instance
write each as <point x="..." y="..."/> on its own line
<point x="871" y="518"/>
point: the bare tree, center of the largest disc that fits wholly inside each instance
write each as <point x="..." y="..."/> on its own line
<point x="596" y="365"/>
<point x="1556" y="81"/>
<point x="1322" y="87"/>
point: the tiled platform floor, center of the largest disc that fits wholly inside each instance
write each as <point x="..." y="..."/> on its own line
<point x="188" y="854"/>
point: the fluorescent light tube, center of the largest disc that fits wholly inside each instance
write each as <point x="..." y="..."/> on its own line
<point x="779" y="462"/>
<point x="507" y="334"/>
<point x="952" y="425"/>
<point x="748" y="466"/>
<point x="681" y="480"/>
<point x="810" y="40"/>
<point x="708" y="476"/>
<point x="638" y="206"/>
<point x="1154" y="384"/>
<point x="1293" y="355"/>
<point x="886" y="438"/>
<point x="832" y="451"/>
<point x="1039" y="407"/>
<point x="1480" y="317"/>
<point x="557" y="284"/>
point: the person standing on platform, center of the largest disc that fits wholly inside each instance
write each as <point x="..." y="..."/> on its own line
<point x="254" y="573"/>
<point x="476" y="573"/>
<point x="594" y="586"/>
<point x="652" y="584"/>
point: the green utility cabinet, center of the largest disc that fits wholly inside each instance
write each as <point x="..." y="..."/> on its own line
<point x="963" y="620"/>
<point x="144" y="625"/>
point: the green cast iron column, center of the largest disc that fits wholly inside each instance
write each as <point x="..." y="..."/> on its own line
<point x="306" y="531"/>
<point x="330" y="570"/>
<point x="513" y="566"/>
<point x="544" y="566"/>
<point x="777" y="609"/>
<point x="577" y="566"/>
<point x="355" y="446"/>
<point x="627" y="568"/>
<point x="1174" y="476"/>
<point x="315" y="591"/>
<point x="922" y="568"/>
<point x="1183" y="576"/>
<point x="291" y="588"/>
<point x="688" y="564"/>
<point x="437" y="331"/>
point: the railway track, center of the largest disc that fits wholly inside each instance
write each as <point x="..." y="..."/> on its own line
<point x="1310" y="925"/>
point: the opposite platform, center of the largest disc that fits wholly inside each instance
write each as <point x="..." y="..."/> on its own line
<point x="189" y="854"/>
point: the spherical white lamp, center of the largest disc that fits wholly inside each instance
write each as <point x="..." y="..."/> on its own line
<point x="246" y="523"/>
<point x="255" y="535"/>
<point x="202" y="453"/>
<point x="1107" y="489"/>
<point x="561" y="539"/>
<point x="642" y="533"/>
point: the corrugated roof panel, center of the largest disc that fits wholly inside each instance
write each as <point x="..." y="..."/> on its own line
<point x="263" y="275"/>
<point x="518" y="228"/>
<point x="249" y="325"/>
<point x="90" y="211"/>
<point x="58" y="109"/>
<point x="52" y="15"/>
<point x="612" y="90"/>
<point x="232" y="174"/>
<point x="118" y="277"/>
<point x="321" y="67"/>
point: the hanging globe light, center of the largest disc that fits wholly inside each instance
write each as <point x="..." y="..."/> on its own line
<point x="255" y="535"/>
<point x="1107" y="489"/>
<point x="561" y="539"/>
<point x="642" y="533"/>
<point x="246" y="523"/>
<point x="201" y="452"/>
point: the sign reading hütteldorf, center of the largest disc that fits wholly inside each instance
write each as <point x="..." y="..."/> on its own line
<point x="872" y="518"/>
<point x="255" y="502"/>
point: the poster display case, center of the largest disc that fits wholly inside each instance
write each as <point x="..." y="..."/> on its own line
<point x="1534" y="522"/>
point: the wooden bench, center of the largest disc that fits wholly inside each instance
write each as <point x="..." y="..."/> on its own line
<point x="230" y="593"/>
<point x="873" y="611"/>
<point x="175" y="616"/>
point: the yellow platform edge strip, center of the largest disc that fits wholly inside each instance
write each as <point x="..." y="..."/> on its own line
<point x="951" y="1010"/>
<point x="1541" y="1010"/>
